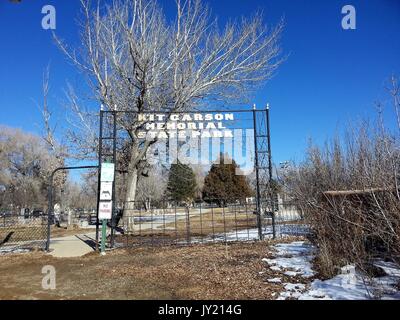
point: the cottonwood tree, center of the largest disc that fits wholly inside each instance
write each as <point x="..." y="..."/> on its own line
<point x="25" y="167"/>
<point x="54" y="147"/>
<point x="79" y="195"/>
<point x="151" y="188"/>
<point x="136" y="60"/>
<point x="89" y="188"/>
<point x="27" y="161"/>
<point x="200" y="172"/>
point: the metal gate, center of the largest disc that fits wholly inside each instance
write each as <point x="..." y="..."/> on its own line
<point x="172" y="223"/>
<point x="169" y="222"/>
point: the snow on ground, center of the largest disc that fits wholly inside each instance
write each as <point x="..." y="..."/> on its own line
<point x="294" y="259"/>
<point x="352" y="287"/>
<point x="4" y="251"/>
<point x="293" y="290"/>
<point x="286" y="230"/>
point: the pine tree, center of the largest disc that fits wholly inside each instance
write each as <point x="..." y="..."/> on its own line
<point x="181" y="182"/>
<point x="222" y="183"/>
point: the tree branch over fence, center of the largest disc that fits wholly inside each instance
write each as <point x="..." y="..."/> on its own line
<point x="135" y="60"/>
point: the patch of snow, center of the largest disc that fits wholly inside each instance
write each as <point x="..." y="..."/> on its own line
<point x="293" y="290"/>
<point x="276" y="268"/>
<point x="274" y="280"/>
<point x="284" y="230"/>
<point x="4" y="251"/>
<point x="294" y="286"/>
<point x="291" y="273"/>
<point x="294" y="248"/>
<point x="390" y="268"/>
<point x="351" y="287"/>
<point x="294" y="259"/>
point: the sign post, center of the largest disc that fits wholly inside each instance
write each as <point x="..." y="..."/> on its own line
<point x="105" y="204"/>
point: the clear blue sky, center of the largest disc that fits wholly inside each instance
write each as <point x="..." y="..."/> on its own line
<point x="331" y="76"/>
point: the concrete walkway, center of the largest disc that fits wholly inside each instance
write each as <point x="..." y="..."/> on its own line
<point x="72" y="246"/>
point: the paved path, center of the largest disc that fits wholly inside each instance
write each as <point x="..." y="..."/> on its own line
<point x="72" y="246"/>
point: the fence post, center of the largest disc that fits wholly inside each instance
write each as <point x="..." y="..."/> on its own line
<point x="50" y="208"/>
<point x="113" y="226"/>
<point x="258" y="200"/>
<point x="188" y="235"/>
<point x="271" y="194"/>
<point x="98" y="176"/>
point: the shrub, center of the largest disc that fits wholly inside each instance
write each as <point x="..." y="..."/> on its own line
<point x="349" y="190"/>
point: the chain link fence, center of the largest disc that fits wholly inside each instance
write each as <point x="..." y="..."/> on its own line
<point x="23" y="232"/>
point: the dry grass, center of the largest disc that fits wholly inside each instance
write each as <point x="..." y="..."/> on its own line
<point x="214" y="222"/>
<point x="215" y="271"/>
<point x="209" y="222"/>
<point x="198" y="228"/>
<point x="20" y="233"/>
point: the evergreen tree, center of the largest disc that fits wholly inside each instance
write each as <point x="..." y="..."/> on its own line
<point x="181" y="182"/>
<point x="222" y="183"/>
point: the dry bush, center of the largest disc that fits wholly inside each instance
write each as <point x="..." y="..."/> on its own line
<point x="363" y="222"/>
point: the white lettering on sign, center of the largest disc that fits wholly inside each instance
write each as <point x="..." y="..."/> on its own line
<point x="183" y="125"/>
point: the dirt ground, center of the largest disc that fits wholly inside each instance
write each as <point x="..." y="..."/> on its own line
<point x="215" y="271"/>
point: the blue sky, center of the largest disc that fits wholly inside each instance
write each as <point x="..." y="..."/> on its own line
<point x="331" y="76"/>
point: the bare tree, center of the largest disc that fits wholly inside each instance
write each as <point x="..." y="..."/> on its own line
<point x="80" y="195"/>
<point x="25" y="166"/>
<point x="394" y="90"/>
<point x="57" y="149"/>
<point x="200" y="172"/>
<point x="151" y="189"/>
<point x="136" y="61"/>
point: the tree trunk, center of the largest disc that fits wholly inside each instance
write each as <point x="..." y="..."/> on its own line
<point x="129" y="204"/>
<point x="133" y="174"/>
<point x="131" y="187"/>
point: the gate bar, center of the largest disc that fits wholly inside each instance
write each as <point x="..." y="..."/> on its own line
<point x="186" y="111"/>
<point x="50" y="203"/>
<point x="98" y="175"/>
